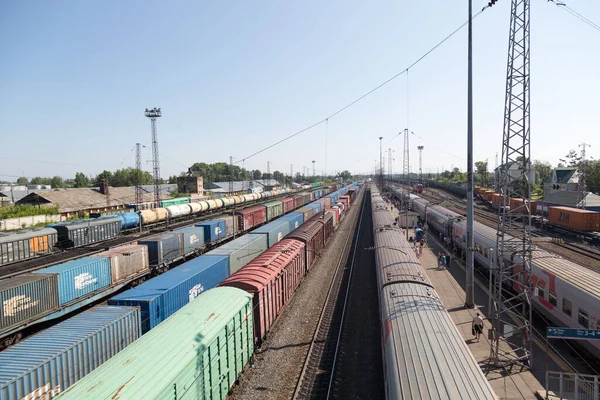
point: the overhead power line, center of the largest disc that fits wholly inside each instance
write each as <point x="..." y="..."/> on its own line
<point x="574" y="13"/>
<point x="405" y="70"/>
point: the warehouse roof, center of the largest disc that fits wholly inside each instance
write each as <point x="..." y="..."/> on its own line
<point x="564" y="175"/>
<point x="238" y="186"/>
<point x="573" y="199"/>
<point x="71" y="200"/>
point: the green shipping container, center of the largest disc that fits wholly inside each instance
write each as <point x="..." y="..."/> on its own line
<point x="197" y="353"/>
<point x="174" y="202"/>
<point x="274" y="209"/>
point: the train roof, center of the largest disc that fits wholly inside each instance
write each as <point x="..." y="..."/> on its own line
<point x="8" y="237"/>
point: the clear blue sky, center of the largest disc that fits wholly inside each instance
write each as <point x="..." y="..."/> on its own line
<point x="234" y="77"/>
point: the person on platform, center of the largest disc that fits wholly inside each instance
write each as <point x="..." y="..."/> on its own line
<point x="443" y="262"/>
<point x="448" y="260"/>
<point x="439" y="259"/>
<point x="477" y="325"/>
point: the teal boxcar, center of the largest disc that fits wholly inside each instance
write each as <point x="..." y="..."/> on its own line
<point x="197" y="353"/>
<point x="274" y="209"/>
<point x="174" y="202"/>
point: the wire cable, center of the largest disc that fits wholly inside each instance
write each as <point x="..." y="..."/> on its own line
<point x="364" y="95"/>
<point x="574" y="13"/>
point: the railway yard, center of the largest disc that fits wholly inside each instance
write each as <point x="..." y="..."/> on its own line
<point x="330" y="300"/>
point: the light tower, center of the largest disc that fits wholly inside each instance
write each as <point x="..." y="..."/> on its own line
<point x="313" y="161"/>
<point x="153" y="114"/>
<point x="582" y="176"/>
<point x="420" y="148"/>
<point x="513" y="239"/>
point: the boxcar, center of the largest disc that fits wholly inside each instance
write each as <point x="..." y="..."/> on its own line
<point x="327" y="221"/>
<point x="272" y="279"/>
<point x="251" y="217"/>
<point x="24" y="245"/>
<point x="574" y="218"/>
<point x="82" y="233"/>
<point x="295" y="219"/>
<point x="274" y="209"/>
<point x="214" y="230"/>
<point x="311" y="234"/>
<point x="201" y="350"/>
<point x="288" y="204"/>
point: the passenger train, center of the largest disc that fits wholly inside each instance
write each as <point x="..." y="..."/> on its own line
<point x="424" y="354"/>
<point x="565" y="292"/>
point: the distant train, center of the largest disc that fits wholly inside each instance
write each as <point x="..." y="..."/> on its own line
<point x="253" y="271"/>
<point x="27" y="244"/>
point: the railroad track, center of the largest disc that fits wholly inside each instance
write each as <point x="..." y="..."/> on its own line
<point x="317" y="371"/>
<point x="130" y="237"/>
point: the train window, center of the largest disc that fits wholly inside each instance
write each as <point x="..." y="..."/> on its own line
<point x="552" y="297"/>
<point x="567" y="307"/>
<point x="584" y="318"/>
<point x="540" y="290"/>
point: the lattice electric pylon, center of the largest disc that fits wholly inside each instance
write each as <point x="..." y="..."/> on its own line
<point x="512" y="309"/>
<point x="139" y="197"/>
<point x="153" y="114"/>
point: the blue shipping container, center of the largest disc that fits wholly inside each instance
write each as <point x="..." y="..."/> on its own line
<point x="164" y="249"/>
<point x="295" y="219"/>
<point x="80" y="277"/>
<point x="213" y="230"/>
<point x="275" y="231"/>
<point x="46" y="364"/>
<point x="161" y="297"/>
<point x="193" y="238"/>
<point x="129" y="220"/>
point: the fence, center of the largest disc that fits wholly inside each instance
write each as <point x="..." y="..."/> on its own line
<point x="562" y="385"/>
<point x="24" y="222"/>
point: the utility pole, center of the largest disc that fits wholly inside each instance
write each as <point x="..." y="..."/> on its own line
<point x="470" y="286"/>
<point x="291" y="174"/>
<point x="514" y="224"/>
<point x="230" y="174"/>
<point x="420" y="148"/>
<point x="380" y="163"/>
<point x="153" y="114"/>
<point x="139" y="197"/>
<point x="390" y="161"/>
<point x="313" y="161"/>
<point x="582" y="175"/>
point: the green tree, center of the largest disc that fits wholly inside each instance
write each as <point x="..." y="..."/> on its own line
<point x="571" y="159"/>
<point x="543" y="172"/>
<point x="22" y="181"/>
<point x="345" y="175"/>
<point x="266" y="175"/>
<point x="278" y="176"/>
<point x="38" y="180"/>
<point x="81" y="180"/>
<point x="256" y="174"/>
<point x="57" y="182"/>
<point x="481" y="172"/>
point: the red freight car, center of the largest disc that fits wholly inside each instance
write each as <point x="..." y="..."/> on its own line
<point x="298" y="201"/>
<point x="251" y="217"/>
<point x="288" y="204"/>
<point x="347" y="199"/>
<point x="310" y="233"/>
<point x="272" y="279"/>
<point x="327" y="221"/>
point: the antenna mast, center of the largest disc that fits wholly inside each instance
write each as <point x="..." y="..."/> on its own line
<point x="153" y="114"/>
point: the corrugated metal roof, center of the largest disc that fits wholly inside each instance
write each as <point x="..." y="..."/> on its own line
<point x="79" y="199"/>
<point x="238" y="186"/>
<point x="173" y="353"/>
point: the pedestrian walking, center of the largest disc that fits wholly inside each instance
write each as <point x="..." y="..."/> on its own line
<point x="448" y="260"/>
<point x="477" y="326"/>
<point x="422" y="242"/>
<point x="443" y="261"/>
<point x="439" y="259"/>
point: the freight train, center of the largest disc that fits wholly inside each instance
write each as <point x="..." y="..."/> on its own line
<point x="53" y="292"/>
<point x="566" y="293"/>
<point x="211" y="331"/>
<point x="424" y="354"/>
<point x="28" y="244"/>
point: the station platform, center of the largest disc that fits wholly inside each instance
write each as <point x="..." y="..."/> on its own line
<point x="515" y="383"/>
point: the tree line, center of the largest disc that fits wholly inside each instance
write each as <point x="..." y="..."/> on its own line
<point x="217" y="172"/>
